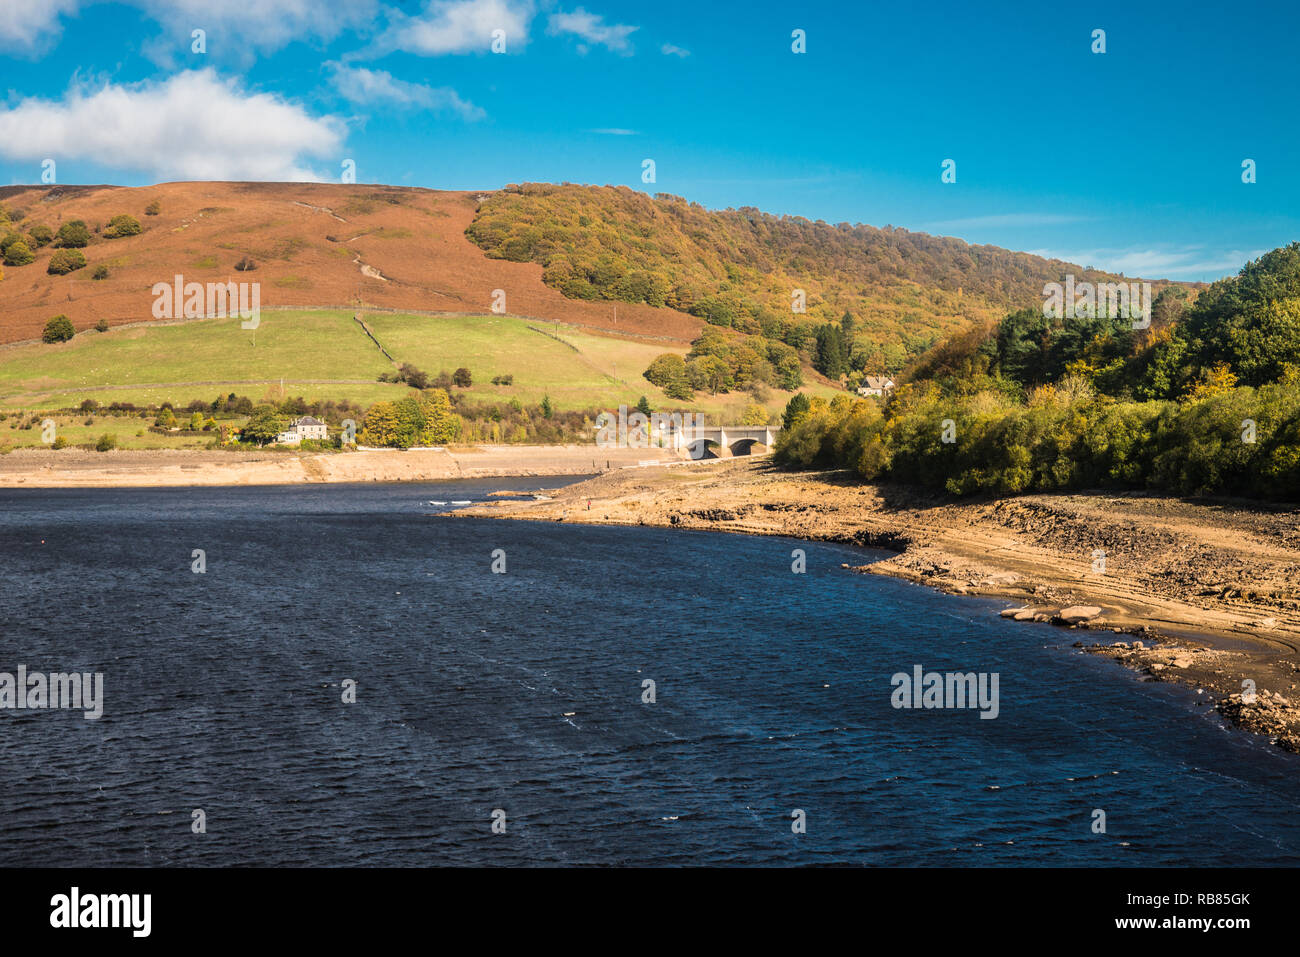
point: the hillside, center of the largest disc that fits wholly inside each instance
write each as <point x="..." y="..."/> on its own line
<point x="310" y="243"/>
<point x="739" y="267"/>
<point x="604" y="258"/>
<point x="600" y="284"/>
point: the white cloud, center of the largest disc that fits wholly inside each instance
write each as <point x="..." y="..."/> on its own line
<point x="372" y="87"/>
<point x="235" y="26"/>
<point x="192" y="126"/>
<point x="1192" y="262"/>
<point x="614" y="131"/>
<point x="457" y="26"/>
<point x="669" y="49"/>
<point x="592" y="28"/>
<point x="26" y="26"/>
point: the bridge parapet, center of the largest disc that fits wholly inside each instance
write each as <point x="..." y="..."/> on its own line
<point x="678" y="431"/>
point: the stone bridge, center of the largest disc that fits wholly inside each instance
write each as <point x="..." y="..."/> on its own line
<point x="717" y="441"/>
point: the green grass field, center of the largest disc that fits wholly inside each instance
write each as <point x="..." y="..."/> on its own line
<point x="130" y="432"/>
<point x="326" y="355"/>
<point x="578" y="375"/>
<point x="163" y="361"/>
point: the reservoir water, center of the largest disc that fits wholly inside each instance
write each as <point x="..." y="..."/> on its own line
<point x="517" y="697"/>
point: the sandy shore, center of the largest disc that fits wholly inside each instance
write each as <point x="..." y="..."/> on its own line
<point x="73" y="468"/>
<point x="1205" y="593"/>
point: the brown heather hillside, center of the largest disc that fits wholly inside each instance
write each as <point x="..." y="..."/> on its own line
<point x="606" y="258"/>
<point x="310" y="242"/>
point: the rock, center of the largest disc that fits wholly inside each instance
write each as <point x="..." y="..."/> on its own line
<point x="1042" y="616"/>
<point x="1001" y="578"/>
<point x="1024" y="614"/>
<point x="1077" y="613"/>
<point x="1010" y="612"/>
<point x="1266" y="623"/>
<point x="1137" y="644"/>
<point x="1181" y="662"/>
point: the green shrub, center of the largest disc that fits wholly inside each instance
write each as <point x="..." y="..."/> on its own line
<point x="58" y="329"/>
<point x="18" y="254"/>
<point x="666" y="368"/>
<point x="73" y="235"/>
<point x="40" y="235"/>
<point x="101" y="272"/>
<point x="65" y="261"/>
<point x="123" y="225"/>
<point x="106" y="442"/>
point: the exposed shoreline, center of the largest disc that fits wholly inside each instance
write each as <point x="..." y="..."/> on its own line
<point x="134" y="468"/>
<point x="1206" y="594"/>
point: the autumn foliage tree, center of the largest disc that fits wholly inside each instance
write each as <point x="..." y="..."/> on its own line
<point x="424" y="418"/>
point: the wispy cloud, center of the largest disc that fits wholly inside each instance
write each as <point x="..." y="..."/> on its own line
<point x="456" y="26"/>
<point x="1005" y="219"/>
<point x="592" y="28"/>
<point x="614" y="131"/>
<point x="376" y="87"/>
<point x="1189" y="262"/>
<point x="236" y="26"/>
<point x="28" y="28"/>
<point x="192" y="126"/>
<point x="669" y="49"/>
<point x="235" y="29"/>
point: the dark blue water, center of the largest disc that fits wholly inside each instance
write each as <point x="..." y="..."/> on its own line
<point x="223" y="693"/>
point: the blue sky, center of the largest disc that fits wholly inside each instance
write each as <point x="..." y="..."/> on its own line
<point x="1128" y="160"/>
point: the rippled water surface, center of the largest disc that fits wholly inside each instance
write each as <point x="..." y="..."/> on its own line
<point x="522" y="692"/>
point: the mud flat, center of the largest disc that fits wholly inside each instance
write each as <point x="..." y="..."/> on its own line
<point x="1203" y="593"/>
<point x="73" y="468"/>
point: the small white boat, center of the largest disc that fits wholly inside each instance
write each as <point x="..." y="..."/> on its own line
<point x="463" y="501"/>
<point x="431" y="502"/>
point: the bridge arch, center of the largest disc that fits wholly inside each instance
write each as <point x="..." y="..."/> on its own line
<point x="703" y="448"/>
<point x="748" y="447"/>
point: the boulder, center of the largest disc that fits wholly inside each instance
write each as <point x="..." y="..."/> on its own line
<point x="1077" y="613"/>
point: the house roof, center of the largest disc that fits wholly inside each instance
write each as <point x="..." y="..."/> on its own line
<point x="307" y="420"/>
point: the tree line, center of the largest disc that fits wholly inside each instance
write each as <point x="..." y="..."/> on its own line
<point x="1204" y="400"/>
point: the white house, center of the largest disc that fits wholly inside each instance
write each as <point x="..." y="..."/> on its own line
<point x="303" y="428"/>
<point x="875" y="385"/>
